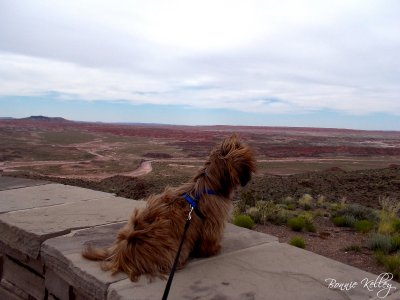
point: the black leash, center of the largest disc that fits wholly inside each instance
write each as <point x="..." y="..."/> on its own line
<point x="171" y="275"/>
<point x="193" y="207"/>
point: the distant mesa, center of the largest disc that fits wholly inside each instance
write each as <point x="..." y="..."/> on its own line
<point x="45" y="119"/>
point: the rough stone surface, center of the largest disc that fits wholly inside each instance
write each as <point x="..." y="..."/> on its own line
<point x="56" y="285"/>
<point x="22" y="278"/>
<point x="97" y="281"/>
<point x="1" y="264"/>
<point x="7" y="183"/>
<point x="34" y="264"/>
<point x="26" y="230"/>
<point x="394" y="296"/>
<point x="10" y="292"/>
<point x="63" y="255"/>
<point x="267" y="271"/>
<point x="237" y="238"/>
<point x="45" y="195"/>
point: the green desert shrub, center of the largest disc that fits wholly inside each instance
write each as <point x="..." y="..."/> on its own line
<point x="344" y="221"/>
<point x="321" y="202"/>
<point x="309" y="226"/>
<point x="296" y="224"/>
<point x="359" y="212"/>
<point x="288" y="200"/>
<point x="291" y="206"/>
<point x="392" y="264"/>
<point x="305" y="201"/>
<point x="280" y="217"/>
<point x="389" y="205"/>
<point x="303" y="221"/>
<point x="247" y="199"/>
<point x="334" y="207"/>
<point x="396" y="225"/>
<point x="395" y="242"/>
<point x="255" y="214"/>
<point x="363" y="226"/>
<point x="379" y="256"/>
<point x="269" y="211"/>
<point x="385" y="226"/>
<point x="266" y="209"/>
<point x="388" y="215"/>
<point x="243" y="221"/>
<point x="297" y="241"/>
<point x="379" y="242"/>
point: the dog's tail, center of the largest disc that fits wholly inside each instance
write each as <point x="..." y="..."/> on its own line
<point x="96" y="253"/>
<point x="134" y="251"/>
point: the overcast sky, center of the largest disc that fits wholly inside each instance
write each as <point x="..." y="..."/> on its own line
<point x="294" y="63"/>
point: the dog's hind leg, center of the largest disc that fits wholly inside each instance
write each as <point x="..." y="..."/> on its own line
<point x="209" y="244"/>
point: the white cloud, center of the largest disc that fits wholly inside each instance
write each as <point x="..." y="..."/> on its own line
<point x="253" y="56"/>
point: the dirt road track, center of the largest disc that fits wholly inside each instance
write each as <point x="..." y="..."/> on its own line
<point x="144" y="168"/>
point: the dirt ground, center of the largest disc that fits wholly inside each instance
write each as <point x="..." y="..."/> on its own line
<point x="330" y="241"/>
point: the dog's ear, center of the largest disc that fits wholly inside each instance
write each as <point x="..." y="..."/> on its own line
<point x="229" y="145"/>
<point x="239" y="158"/>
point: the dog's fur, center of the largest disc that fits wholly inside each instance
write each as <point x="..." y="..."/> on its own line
<point x="149" y="242"/>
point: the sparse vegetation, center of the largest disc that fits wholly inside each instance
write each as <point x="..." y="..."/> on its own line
<point x="396" y="225"/>
<point x="296" y="224"/>
<point x="344" y="221"/>
<point x="388" y="215"/>
<point x="297" y="241"/>
<point x="358" y="212"/>
<point x="305" y="201"/>
<point x="301" y="223"/>
<point x="321" y="201"/>
<point x="243" y="221"/>
<point x="395" y="242"/>
<point x="353" y="248"/>
<point x="363" y="226"/>
<point x="255" y="214"/>
<point x="390" y="262"/>
<point x="379" y="242"/>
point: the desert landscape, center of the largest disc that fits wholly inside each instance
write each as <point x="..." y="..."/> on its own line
<point x="306" y="173"/>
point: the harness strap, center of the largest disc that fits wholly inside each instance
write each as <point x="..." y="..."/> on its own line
<point x="194" y="201"/>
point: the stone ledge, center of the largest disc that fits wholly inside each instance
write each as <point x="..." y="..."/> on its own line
<point x="63" y="254"/>
<point x="267" y="271"/>
<point x="26" y="230"/>
<point x="44" y="196"/>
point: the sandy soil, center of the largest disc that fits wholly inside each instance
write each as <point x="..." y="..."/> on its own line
<point x="330" y="241"/>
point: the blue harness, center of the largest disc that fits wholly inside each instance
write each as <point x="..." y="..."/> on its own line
<point x="194" y="201"/>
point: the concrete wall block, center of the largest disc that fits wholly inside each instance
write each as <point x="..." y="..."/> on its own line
<point x="35" y="264"/>
<point x="1" y="264"/>
<point x="10" y="290"/>
<point x="24" y="278"/>
<point x="56" y="285"/>
<point x="7" y="295"/>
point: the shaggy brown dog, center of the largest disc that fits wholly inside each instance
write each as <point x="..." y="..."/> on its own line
<point x="149" y="242"/>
